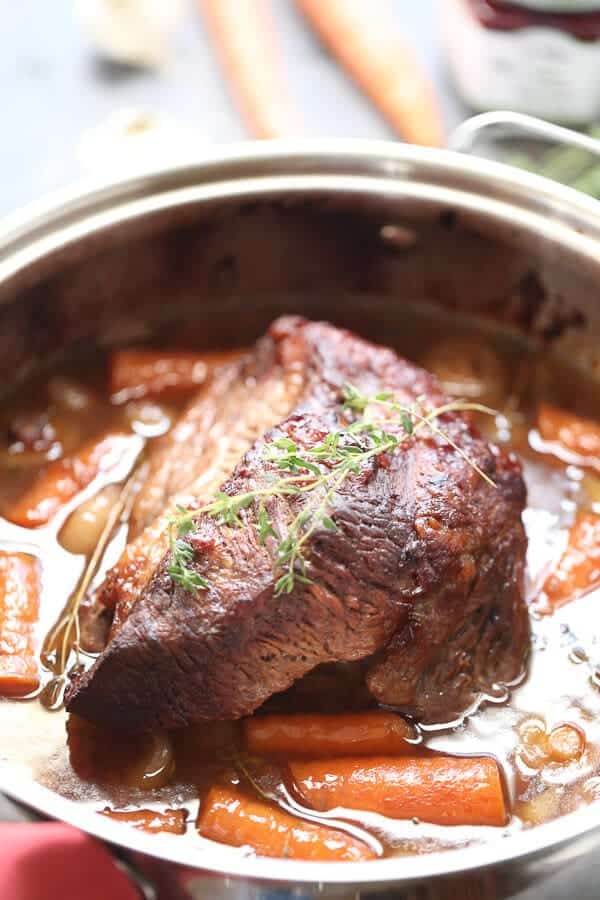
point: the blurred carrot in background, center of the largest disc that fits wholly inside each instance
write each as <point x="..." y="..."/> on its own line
<point x="244" y="37"/>
<point x="363" y="37"/>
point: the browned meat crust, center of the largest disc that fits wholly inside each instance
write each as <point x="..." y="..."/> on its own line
<point x="242" y="400"/>
<point x="423" y="574"/>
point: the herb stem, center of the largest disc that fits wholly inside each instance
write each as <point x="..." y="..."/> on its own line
<point x="343" y="452"/>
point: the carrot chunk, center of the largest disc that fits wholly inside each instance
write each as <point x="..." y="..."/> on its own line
<point x="62" y="480"/>
<point x="578" y="569"/>
<point x="579" y="436"/>
<point x="144" y="373"/>
<point x="19" y="609"/>
<point x="442" y="790"/>
<point x="316" y="736"/>
<point x="171" y="821"/>
<point x="229" y="817"/>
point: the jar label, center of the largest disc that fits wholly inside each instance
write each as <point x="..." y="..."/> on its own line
<point x="537" y="70"/>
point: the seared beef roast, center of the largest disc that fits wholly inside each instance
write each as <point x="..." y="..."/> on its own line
<point x="188" y="465"/>
<point x="422" y="576"/>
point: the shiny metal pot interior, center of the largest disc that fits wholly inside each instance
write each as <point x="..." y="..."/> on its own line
<point x="344" y="231"/>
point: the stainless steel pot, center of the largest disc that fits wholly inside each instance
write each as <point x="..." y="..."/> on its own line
<point x="348" y="231"/>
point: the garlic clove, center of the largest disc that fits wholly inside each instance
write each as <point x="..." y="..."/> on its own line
<point x="132" y="32"/>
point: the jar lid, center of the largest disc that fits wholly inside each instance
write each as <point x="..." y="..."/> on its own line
<point x="503" y="16"/>
<point x="563" y="6"/>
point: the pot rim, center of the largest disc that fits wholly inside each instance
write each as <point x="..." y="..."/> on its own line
<point x="571" y="836"/>
<point x="554" y="211"/>
<point x="377" y="168"/>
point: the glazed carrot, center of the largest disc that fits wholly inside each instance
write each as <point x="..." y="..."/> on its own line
<point x="229" y="817"/>
<point x="580" y="437"/>
<point x="578" y="569"/>
<point x="364" y="39"/>
<point x="443" y="790"/>
<point x="244" y="37"/>
<point x="62" y="480"/>
<point x="149" y="373"/>
<point x="353" y="734"/>
<point x="171" y="821"/>
<point x="19" y="609"/>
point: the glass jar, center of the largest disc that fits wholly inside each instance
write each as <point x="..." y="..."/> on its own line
<point x="514" y="56"/>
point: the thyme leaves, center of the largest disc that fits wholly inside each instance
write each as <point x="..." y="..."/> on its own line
<point x="318" y="472"/>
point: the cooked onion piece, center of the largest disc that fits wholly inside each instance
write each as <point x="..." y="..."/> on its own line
<point x="70" y="395"/>
<point x="147" y="418"/>
<point x="142" y="761"/>
<point x="83" y="528"/>
<point x="564" y="744"/>
<point x="154" y="764"/>
<point x="533" y="749"/>
<point x="468" y="369"/>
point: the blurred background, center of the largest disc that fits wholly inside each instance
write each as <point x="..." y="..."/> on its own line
<point x="93" y="88"/>
<point x="93" y="85"/>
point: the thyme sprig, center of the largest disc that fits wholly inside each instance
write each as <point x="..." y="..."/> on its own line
<point x="319" y="471"/>
<point x="182" y="553"/>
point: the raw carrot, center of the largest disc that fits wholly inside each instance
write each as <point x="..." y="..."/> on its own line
<point x="581" y="437"/>
<point x="578" y="569"/>
<point x="244" y="37"/>
<point x="229" y="817"/>
<point x="19" y="609"/>
<point x="154" y="373"/>
<point x="364" y="39"/>
<point x="62" y="480"/>
<point x="171" y="821"/>
<point x="443" y="790"/>
<point x="316" y="736"/>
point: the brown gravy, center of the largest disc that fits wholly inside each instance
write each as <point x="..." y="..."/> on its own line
<point x="547" y="772"/>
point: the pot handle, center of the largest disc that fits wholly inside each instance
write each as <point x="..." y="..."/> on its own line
<point x="492" y="126"/>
